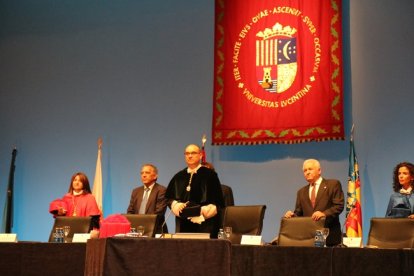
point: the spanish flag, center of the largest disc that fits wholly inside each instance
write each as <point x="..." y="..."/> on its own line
<point x="97" y="182"/>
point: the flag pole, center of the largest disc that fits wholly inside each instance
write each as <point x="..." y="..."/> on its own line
<point x="9" y="202"/>
<point x="352" y="132"/>
<point x="203" y="142"/>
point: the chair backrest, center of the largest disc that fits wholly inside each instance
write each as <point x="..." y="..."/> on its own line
<point x="77" y="225"/>
<point x="391" y="233"/>
<point x="299" y="231"/>
<point x="244" y="220"/>
<point x="150" y="222"/>
<point x="227" y="195"/>
<point x="228" y="200"/>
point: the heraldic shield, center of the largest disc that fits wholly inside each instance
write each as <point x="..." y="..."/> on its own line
<point x="276" y="63"/>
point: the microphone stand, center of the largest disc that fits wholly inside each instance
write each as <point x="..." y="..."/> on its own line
<point x="342" y="245"/>
<point x="163" y="224"/>
<point x="165" y="221"/>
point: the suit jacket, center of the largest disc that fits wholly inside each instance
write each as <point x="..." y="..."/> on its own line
<point x="156" y="204"/>
<point x="330" y="201"/>
<point x="400" y="205"/>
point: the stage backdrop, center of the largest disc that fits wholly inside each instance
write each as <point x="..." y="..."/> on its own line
<point x="139" y="74"/>
<point x="278" y="76"/>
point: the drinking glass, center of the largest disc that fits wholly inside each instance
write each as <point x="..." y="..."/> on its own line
<point x="58" y="235"/>
<point x="325" y="233"/>
<point x="66" y="231"/>
<point x="227" y="232"/>
<point x="140" y="230"/>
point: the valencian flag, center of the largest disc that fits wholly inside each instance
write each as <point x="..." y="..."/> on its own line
<point x="278" y="72"/>
<point x="97" y="182"/>
<point x="353" y="204"/>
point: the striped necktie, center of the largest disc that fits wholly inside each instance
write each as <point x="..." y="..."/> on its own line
<point x="313" y="194"/>
<point x="144" y="201"/>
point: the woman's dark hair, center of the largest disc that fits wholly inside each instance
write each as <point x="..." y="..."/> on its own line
<point x="396" y="184"/>
<point x="84" y="179"/>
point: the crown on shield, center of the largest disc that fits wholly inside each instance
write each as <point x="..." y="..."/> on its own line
<point x="277" y="30"/>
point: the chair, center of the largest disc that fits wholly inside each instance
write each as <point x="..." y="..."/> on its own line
<point x="227" y="195"/>
<point x="228" y="200"/>
<point x="151" y="222"/>
<point x="299" y="231"/>
<point x="391" y="233"/>
<point x="244" y="220"/>
<point x="77" y="225"/>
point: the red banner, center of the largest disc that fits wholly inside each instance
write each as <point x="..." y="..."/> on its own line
<point x="278" y="72"/>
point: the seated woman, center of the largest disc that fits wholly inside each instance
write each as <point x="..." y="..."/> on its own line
<point x="79" y="201"/>
<point x="401" y="203"/>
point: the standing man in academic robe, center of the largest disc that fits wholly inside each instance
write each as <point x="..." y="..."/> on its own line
<point x="320" y="198"/>
<point x="149" y="198"/>
<point x="195" y="185"/>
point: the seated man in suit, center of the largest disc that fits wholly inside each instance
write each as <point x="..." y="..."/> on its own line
<point x="320" y="198"/>
<point x="149" y="198"/>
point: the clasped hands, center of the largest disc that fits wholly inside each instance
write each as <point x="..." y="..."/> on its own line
<point x="315" y="216"/>
<point x="177" y="207"/>
<point x="61" y="211"/>
<point x="207" y="211"/>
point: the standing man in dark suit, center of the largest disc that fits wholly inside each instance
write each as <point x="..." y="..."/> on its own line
<point x="320" y="198"/>
<point x="195" y="185"/>
<point x="149" y="198"/>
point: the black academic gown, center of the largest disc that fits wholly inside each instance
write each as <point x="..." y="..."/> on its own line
<point x="205" y="189"/>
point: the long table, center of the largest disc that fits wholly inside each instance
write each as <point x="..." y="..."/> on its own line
<point x="274" y="260"/>
<point x="146" y="256"/>
<point x="143" y="256"/>
<point x="216" y="257"/>
<point x="37" y="258"/>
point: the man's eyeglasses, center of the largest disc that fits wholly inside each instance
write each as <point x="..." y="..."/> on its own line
<point x="190" y="153"/>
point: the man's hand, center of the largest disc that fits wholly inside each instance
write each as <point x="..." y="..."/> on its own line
<point x="289" y="214"/>
<point x="317" y="215"/>
<point x="177" y="207"/>
<point x="209" y="211"/>
<point x="200" y="219"/>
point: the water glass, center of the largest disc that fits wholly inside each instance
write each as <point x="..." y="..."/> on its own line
<point x="59" y="235"/>
<point x="227" y="232"/>
<point x="66" y="231"/>
<point x="140" y="230"/>
<point x="325" y="233"/>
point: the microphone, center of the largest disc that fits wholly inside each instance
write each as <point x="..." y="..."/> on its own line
<point x="163" y="224"/>
<point x="352" y="206"/>
<point x="165" y="221"/>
